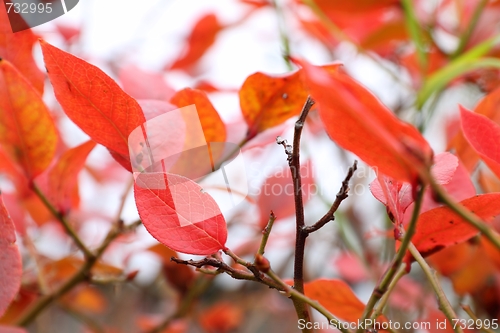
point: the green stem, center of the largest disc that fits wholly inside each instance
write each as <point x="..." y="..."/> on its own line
<point x="444" y="303"/>
<point x="265" y="234"/>
<point x="464" y="39"/>
<point x="391" y="273"/>
<point x="415" y="33"/>
<point x="285" y="41"/>
<point x="66" y="225"/>
<point x="295" y="295"/>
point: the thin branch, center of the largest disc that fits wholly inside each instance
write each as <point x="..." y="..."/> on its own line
<point x="65" y="223"/>
<point x="285" y="40"/>
<point x="473" y="316"/>
<point x="464" y="39"/>
<point x="300" y="234"/>
<point x="84" y="273"/>
<point x="391" y="273"/>
<point x="294" y="294"/>
<point x="341" y="196"/>
<point x="265" y="233"/>
<point x="444" y="303"/>
<point x="237" y="274"/>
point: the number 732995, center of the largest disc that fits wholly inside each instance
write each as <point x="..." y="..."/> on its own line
<point x="29" y="8"/>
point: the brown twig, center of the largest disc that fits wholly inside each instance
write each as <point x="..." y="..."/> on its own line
<point x="293" y="158"/>
<point x="341" y="196"/>
<point x="237" y="274"/>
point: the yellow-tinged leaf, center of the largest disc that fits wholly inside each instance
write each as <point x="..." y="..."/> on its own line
<point x="27" y="131"/>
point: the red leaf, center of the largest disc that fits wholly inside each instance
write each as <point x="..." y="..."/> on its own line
<point x="27" y="131"/>
<point x="17" y="48"/>
<point x="354" y="117"/>
<point x="206" y="150"/>
<point x="267" y="101"/>
<point x="400" y="194"/>
<point x="211" y="123"/>
<point x="63" y="176"/>
<point x="277" y="193"/>
<point x="93" y="101"/>
<point x="177" y="212"/>
<point x="484" y="136"/>
<point x="10" y="260"/>
<point x="199" y="41"/>
<point x="440" y="227"/>
<point x="337" y="297"/>
<point x="488" y="107"/>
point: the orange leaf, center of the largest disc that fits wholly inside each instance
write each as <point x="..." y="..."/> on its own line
<point x="211" y="123"/>
<point x="63" y="175"/>
<point x="27" y="131"/>
<point x="337" y="297"/>
<point x="267" y="101"/>
<point x="199" y="161"/>
<point x="17" y="48"/>
<point x="223" y="317"/>
<point x="199" y="41"/>
<point x="85" y="298"/>
<point x="10" y="260"/>
<point x="440" y="227"/>
<point x="357" y="121"/>
<point x="93" y="101"/>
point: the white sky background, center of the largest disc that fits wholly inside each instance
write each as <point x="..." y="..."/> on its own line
<point x="151" y="33"/>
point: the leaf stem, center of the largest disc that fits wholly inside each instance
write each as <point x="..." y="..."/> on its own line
<point x="265" y="233"/>
<point x="464" y="39"/>
<point x="391" y="273"/>
<point x="65" y="223"/>
<point x="294" y="294"/>
<point x="444" y="303"/>
<point x="473" y="316"/>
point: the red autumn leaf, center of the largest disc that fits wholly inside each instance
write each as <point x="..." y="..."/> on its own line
<point x="63" y="176"/>
<point x="141" y="84"/>
<point x="27" y="131"/>
<point x="488" y="107"/>
<point x="440" y="227"/>
<point x="10" y="260"/>
<point x="277" y="193"/>
<point x="179" y="214"/>
<point x="199" y="41"/>
<point x="267" y="101"/>
<point x="484" y="136"/>
<point x="354" y="117"/>
<point x="400" y="194"/>
<point x="337" y="297"/>
<point x="211" y="123"/>
<point x="17" y="48"/>
<point x="93" y="101"/>
<point x="204" y="152"/>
